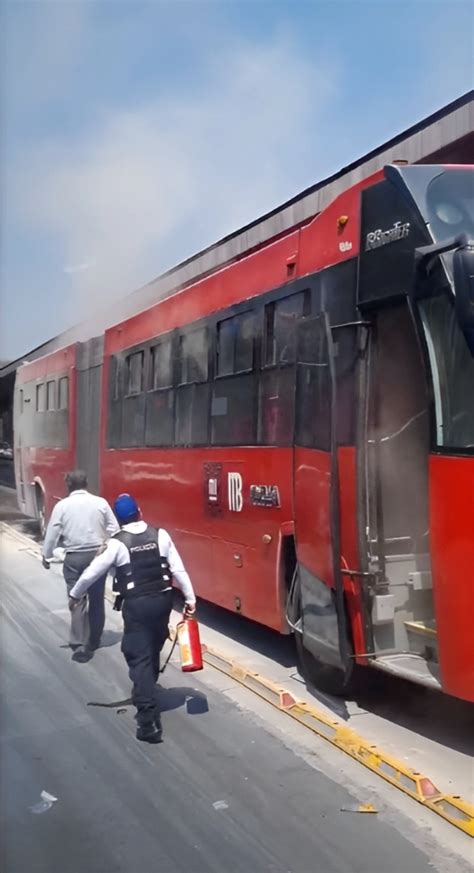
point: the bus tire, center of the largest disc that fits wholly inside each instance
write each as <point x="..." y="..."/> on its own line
<point x="325" y="677"/>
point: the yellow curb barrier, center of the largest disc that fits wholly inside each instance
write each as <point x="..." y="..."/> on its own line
<point x="452" y="808"/>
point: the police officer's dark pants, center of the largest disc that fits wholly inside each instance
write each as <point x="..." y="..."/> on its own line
<point x="88" y="618"/>
<point x="146" y="620"/>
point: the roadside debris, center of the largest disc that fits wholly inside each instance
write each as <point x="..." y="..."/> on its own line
<point x="220" y="804"/>
<point x="44" y="804"/>
<point x="359" y="807"/>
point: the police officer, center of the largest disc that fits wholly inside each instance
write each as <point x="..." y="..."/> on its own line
<point x="144" y="561"/>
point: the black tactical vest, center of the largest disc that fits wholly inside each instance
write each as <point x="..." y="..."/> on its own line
<point x="148" y="572"/>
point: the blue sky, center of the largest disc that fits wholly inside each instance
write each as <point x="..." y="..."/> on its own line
<point x="135" y="134"/>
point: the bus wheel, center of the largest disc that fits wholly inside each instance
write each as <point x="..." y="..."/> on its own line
<point x="41" y="512"/>
<point x="325" y="677"/>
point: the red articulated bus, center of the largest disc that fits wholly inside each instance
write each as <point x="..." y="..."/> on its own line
<point x="44" y="428"/>
<point x="302" y="421"/>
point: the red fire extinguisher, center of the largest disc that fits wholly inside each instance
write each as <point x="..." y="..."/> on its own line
<point x="187" y="633"/>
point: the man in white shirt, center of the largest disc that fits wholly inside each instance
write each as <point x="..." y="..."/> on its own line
<point x="85" y="522"/>
<point x="145" y="561"/>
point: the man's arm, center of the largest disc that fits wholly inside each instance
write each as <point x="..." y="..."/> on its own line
<point x="111" y="524"/>
<point x="114" y="555"/>
<point x="53" y="532"/>
<point x="169" y="551"/>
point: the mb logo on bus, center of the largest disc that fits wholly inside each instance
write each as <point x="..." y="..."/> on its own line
<point x="234" y="490"/>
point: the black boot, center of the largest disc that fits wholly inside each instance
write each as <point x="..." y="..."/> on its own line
<point x="82" y="655"/>
<point x="149" y="733"/>
<point x="157" y="719"/>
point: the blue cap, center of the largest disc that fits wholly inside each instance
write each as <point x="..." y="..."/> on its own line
<point x="126" y="508"/>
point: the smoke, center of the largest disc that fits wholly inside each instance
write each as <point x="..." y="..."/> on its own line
<point x="148" y="185"/>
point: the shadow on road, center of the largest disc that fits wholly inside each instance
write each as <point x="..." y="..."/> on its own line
<point x="173" y="698"/>
<point x="436" y="716"/>
<point x="110" y="638"/>
<point x="167" y="699"/>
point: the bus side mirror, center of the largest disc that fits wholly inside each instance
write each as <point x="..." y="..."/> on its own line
<point x="463" y="275"/>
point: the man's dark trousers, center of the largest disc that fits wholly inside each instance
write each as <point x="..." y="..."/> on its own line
<point x="146" y="619"/>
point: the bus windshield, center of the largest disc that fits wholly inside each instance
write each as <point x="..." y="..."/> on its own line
<point x="449" y="203"/>
<point x="452" y="367"/>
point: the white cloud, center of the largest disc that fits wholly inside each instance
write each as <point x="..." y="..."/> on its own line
<point x="151" y="183"/>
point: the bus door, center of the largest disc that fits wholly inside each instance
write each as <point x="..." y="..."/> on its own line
<point x="316" y="497"/>
<point x="89" y="362"/>
<point x="394" y="443"/>
<point x="19" y="417"/>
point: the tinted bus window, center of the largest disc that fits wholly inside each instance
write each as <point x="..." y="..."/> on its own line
<point x="114" y="419"/>
<point x="235" y="344"/>
<point x="63" y="393"/>
<point x="193" y="357"/>
<point x="192" y="415"/>
<point x="40" y="393"/>
<point x="313" y="394"/>
<point x="159" y="418"/>
<point x="233" y="416"/>
<point x="161" y="375"/>
<point x="135" y="373"/>
<point x="280" y="327"/>
<point x="225" y="347"/>
<point x="452" y="367"/>
<point x="50" y="395"/>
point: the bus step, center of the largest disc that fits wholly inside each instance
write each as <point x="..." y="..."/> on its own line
<point x="410" y="666"/>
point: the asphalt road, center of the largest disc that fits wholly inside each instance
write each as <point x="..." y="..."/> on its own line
<point x="222" y="794"/>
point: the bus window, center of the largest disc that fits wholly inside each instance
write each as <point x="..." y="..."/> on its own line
<point x="225" y="347"/>
<point x="114" y="418"/>
<point x="63" y="393"/>
<point x="281" y="319"/>
<point x="135" y="373"/>
<point x="159" y="418"/>
<point x="235" y="344"/>
<point x="161" y="374"/>
<point x="40" y="398"/>
<point x="313" y="394"/>
<point x="50" y="396"/>
<point x="193" y="356"/>
<point x="192" y="415"/>
<point x="452" y="367"/>
<point x="115" y="380"/>
<point x="233" y="411"/>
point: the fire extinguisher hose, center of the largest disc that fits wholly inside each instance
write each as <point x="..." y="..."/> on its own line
<point x="163" y="668"/>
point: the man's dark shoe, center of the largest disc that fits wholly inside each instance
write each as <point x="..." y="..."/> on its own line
<point x="157" y="720"/>
<point x="149" y="733"/>
<point x="83" y="655"/>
